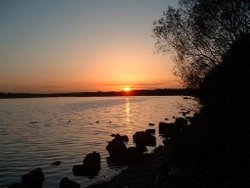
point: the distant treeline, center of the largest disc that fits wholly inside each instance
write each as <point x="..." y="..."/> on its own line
<point x="155" y="92"/>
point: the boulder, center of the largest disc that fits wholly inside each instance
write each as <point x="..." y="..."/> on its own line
<point x="34" y="179"/>
<point x="150" y="131"/>
<point x="180" y="122"/>
<point x="123" y="138"/>
<point x="133" y="154"/>
<point x="93" y="159"/>
<point x="90" y="167"/>
<point x="163" y="127"/>
<point x="116" y="148"/>
<point x="151" y="124"/>
<point x="168" y="130"/>
<point x="86" y="170"/>
<point x="142" y="138"/>
<point x="67" y="183"/>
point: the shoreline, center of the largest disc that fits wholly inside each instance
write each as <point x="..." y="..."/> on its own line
<point x="138" y="175"/>
<point x="155" y="92"/>
<point x="201" y="157"/>
<point x="147" y="172"/>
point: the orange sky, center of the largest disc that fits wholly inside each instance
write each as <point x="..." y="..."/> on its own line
<point x="83" y="46"/>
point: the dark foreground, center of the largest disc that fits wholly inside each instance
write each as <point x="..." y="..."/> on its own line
<point x="199" y="157"/>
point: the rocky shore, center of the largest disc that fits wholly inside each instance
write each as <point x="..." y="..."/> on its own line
<point x="201" y="155"/>
<point x="196" y="153"/>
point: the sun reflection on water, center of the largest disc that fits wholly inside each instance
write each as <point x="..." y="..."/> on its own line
<point x="127" y="109"/>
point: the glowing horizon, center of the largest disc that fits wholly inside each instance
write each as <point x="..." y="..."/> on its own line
<point x="81" y="46"/>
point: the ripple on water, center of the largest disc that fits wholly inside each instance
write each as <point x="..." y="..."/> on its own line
<point x="66" y="130"/>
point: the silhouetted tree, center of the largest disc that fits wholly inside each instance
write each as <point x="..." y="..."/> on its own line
<point x="227" y="85"/>
<point x="199" y="32"/>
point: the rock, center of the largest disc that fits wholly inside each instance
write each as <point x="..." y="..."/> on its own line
<point x="93" y="159"/>
<point x="90" y="167"/>
<point x="133" y="154"/>
<point x="150" y="131"/>
<point x="168" y="130"/>
<point x="56" y="163"/>
<point x="141" y="138"/>
<point x="67" y="183"/>
<point x="172" y="130"/>
<point x="123" y="138"/>
<point x="151" y="124"/>
<point x="85" y="170"/>
<point x="180" y="122"/>
<point x="34" y="179"/>
<point x="116" y="148"/>
<point x="163" y="127"/>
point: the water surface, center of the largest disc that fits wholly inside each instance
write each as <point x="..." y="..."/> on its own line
<point x="66" y="129"/>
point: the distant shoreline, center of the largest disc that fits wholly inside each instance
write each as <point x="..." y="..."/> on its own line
<point x="155" y="92"/>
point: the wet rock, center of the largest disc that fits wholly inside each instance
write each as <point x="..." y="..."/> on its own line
<point x="93" y="159"/>
<point x="133" y="154"/>
<point x="168" y="130"/>
<point x="151" y="124"/>
<point x="34" y="179"/>
<point x="142" y="138"/>
<point x="67" y="183"/>
<point x="150" y="131"/>
<point x="180" y="122"/>
<point x="163" y="127"/>
<point x="90" y="167"/>
<point x="56" y="163"/>
<point x="123" y="138"/>
<point x="116" y="148"/>
<point x="85" y="170"/>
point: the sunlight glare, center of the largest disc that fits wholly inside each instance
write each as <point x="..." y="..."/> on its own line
<point x="127" y="89"/>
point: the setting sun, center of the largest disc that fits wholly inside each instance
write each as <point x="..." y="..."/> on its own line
<point x="127" y="89"/>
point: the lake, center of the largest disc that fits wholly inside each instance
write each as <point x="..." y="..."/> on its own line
<point x="36" y="132"/>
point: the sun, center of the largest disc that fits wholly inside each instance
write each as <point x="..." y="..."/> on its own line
<point x="127" y="89"/>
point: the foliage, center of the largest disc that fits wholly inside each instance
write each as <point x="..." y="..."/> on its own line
<point x="226" y="85"/>
<point x="199" y="32"/>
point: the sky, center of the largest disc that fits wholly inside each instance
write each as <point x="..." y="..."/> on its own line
<point x="51" y="46"/>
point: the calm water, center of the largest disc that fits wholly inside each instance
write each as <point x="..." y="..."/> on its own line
<point x="25" y="146"/>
